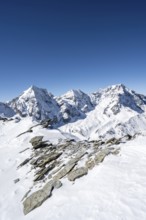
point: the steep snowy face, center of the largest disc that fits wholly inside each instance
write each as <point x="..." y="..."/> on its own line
<point x="37" y="103"/>
<point x="6" y="111"/>
<point x="117" y="111"/>
<point x="74" y="104"/>
<point x="114" y="98"/>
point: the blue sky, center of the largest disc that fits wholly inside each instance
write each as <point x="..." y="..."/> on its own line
<point x="71" y="44"/>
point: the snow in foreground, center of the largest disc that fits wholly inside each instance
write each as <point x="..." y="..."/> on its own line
<point x="115" y="189"/>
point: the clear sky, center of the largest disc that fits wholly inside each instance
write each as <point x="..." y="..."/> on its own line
<point x="71" y="44"/>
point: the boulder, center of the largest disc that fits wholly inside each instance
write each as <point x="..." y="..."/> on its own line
<point x="37" y="142"/>
<point x="101" y="155"/>
<point x="77" y="173"/>
<point x="57" y="184"/>
<point x="37" y="198"/>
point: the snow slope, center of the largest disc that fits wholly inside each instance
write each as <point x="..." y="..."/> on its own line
<point x="114" y="190"/>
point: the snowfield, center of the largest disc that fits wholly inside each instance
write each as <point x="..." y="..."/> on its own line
<point x="115" y="189"/>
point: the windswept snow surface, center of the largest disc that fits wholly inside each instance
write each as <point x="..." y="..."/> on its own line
<point x="115" y="189"/>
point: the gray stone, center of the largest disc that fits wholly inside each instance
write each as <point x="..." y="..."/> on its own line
<point x="16" y="180"/>
<point x="57" y="184"/>
<point x="101" y="155"/>
<point x="90" y="164"/>
<point x="24" y="162"/>
<point x="36" y="139"/>
<point x="63" y="172"/>
<point x="37" y="198"/>
<point x="115" y="151"/>
<point x="77" y="157"/>
<point x="41" y="173"/>
<point x="113" y="141"/>
<point x="48" y="158"/>
<point x="79" y="172"/>
<point x="37" y="142"/>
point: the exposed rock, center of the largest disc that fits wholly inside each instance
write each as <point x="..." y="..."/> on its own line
<point x="57" y="169"/>
<point x="38" y="143"/>
<point x="64" y="171"/>
<point x="46" y="123"/>
<point x="35" y="141"/>
<point x="57" y="184"/>
<point x="26" y="194"/>
<point x="28" y="131"/>
<point x="116" y="151"/>
<point x="113" y="141"/>
<point x="37" y="198"/>
<point x="16" y="180"/>
<point x="40" y="174"/>
<point x="101" y="155"/>
<point x="77" y="173"/>
<point x="77" y="157"/>
<point x="48" y="158"/>
<point x="23" y="150"/>
<point x="90" y="164"/>
<point x="24" y="162"/>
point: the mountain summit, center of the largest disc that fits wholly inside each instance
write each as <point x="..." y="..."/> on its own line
<point x="36" y="103"/>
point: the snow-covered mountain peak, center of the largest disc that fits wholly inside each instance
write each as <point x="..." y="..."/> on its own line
<point x="74" y="104"/>
<point x="115" y="89"/>
<point x="73" y="94"/>
<point x="36" y="92"/>
<point x="36" y="102"/>
<point x="113" y="98"/>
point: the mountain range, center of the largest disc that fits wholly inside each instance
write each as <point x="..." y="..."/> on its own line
<point x="113" y="111"/>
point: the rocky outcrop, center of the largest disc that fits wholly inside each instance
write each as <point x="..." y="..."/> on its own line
<point x="63" y="172"/>
<point x="40" y="174"/>
<point x="77" y="173"/>
<point x="90" y="163"/>
<point x="37" y="198"/>
<point x="99" y="157"/>
<point x="62" y="161"/>
<point x="37" y="142"/>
